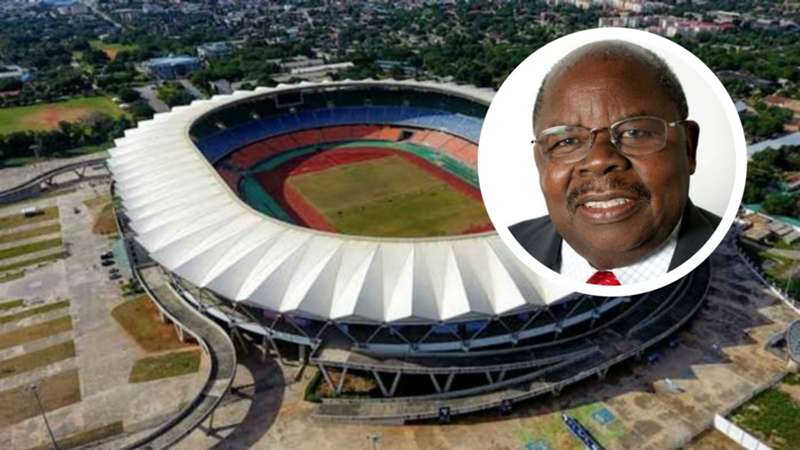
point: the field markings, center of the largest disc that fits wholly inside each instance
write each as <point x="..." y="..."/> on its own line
<point x="390" y="197"/>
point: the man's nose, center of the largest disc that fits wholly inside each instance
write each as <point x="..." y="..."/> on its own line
<point x="603" y="156"/>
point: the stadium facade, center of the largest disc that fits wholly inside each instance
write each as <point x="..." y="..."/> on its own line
<point x="439" y="324"/>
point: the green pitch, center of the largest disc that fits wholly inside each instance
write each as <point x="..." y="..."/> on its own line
<point x="388" y="197"/>
<point x="47" y="116"/>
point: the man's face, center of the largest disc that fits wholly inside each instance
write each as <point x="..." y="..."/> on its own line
<point x="614" y="209"/>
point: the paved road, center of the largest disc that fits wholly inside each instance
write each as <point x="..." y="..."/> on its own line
<point x="221" y="353"/>
<point x="148" y="93"/>
<point x="192" y="89"/>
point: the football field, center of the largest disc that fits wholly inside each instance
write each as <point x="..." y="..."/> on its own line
<point x="46" y="116"/>
<point x="388" y="195"/>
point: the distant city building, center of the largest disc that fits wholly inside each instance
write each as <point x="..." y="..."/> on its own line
<point x="766" y="230"/>
<point x="214" y="50"/>
<point x="751" y="80"/>
<point x="171" y="67"/>
<point x="783" y="102"/>
<point x="792" y="139"/>
<point x="315" y="73"/>
<point x="388" y="65"/>
<point x="14" y="72"/>
<point x="298" y="62"/>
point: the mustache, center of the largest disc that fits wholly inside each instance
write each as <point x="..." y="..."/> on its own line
<point x="636" y="189"/>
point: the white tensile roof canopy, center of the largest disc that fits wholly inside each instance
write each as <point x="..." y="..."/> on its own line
<point x="193" y="225"/>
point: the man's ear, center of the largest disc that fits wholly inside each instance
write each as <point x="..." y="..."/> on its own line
<point x="692" y="136"/>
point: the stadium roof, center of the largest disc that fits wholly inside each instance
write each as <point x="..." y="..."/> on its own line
<point x="191" y="223"/>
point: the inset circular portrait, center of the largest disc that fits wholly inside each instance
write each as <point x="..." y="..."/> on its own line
<point x="612" y="162"/>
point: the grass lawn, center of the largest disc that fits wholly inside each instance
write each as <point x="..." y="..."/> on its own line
<point x="34" y="261"/>
<point x="46" y="116"/>
<point x="773" y="417"/>
<point x="34" y="311"/>
<point x="389" y="197"/>
<point x="15" y="220"/>
<point x="5" y="278"/>
<point x="111" y="49"/>
<point x="165" y="366"/>
<point x="85" y="437"/>
<point x="34" y="360"/>
<point x="11" y="304"/>
<point x="35" y="332"/>
<point x="55" y="392"/>
<point x="29" y="233"/>
<point x="139" y="318"/>
<point x="32" y="247"/>
<point x="104" y="221"/>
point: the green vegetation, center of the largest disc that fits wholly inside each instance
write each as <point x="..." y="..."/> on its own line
<point x="173" y="94"/>
<point x="550" y="429"/>
<point x="34" y="332"/>
<point x="33" y="360"/>
<point x="139" y="318"/>
<point x="767" y="120"/>
<point x="85" y="437"/>
<point x="30" y="233"/>
<point x="773" y="417"/>
<point x="55" y="392"/>
<point x="16" y="220"/>
<point x="792" y="380"/>
<point x="165" y="366"/>
<point x="47" y="116"/>
<point x="30" y="248"/>
<point x="765" y="170"/>
<point x="389" y="197"/>
<point x="131" y="287"/>
<point x="11" y="304"/>
<point x="68" y="133"/>
<point x="11" y="277"/>
<point x="39" y="260"/>
<point x="34" y="311"/>
<point x="112" y="49"/>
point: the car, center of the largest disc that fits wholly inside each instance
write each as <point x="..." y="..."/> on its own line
<point x="107" y="255"/>
<point x="114" y="276"/>
<point x="108" y="262"/>
<point x="113" y="270"/>
<point x="76" y="210"/>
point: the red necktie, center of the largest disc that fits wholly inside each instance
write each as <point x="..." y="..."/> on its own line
<point x="604" y="278"/>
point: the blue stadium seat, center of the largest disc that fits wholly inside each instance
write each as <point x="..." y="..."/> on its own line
<point x="218" y="145"/>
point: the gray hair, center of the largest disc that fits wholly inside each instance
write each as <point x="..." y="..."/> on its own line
<point x="615" y="49"/>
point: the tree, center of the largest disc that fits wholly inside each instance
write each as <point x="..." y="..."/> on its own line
<point x="781" y="204"/>
<point x="128" y="95"/>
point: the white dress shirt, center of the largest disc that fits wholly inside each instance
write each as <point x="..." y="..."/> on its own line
<point x="651" y="266"/>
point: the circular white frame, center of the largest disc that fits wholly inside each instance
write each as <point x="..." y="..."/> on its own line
<point x="506" y="166"/>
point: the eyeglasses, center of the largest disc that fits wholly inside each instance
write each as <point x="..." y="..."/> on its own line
<point x="633" y="136"/>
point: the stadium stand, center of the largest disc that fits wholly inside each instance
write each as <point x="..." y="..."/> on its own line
<point x="458" y="148"/>
<point x="234" y="136"/>
<point x="230" y="177"/>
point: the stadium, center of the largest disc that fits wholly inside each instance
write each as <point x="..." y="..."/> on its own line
<point x="340" y="225"/>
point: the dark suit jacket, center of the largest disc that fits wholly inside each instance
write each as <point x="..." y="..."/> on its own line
<point x="539" y="237"/>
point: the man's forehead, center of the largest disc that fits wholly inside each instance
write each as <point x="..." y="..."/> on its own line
<point x="613" y="90"/>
